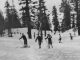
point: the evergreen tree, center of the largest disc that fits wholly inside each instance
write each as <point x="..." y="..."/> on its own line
<point x="24" y="19"/>
<point x="34" y="14"/>
<point x="9" y="22"/>
<point x="43" y="18"/>
<point x="67" y="16"/>
<point x="27" y="19"/>
<point x="1" y="23"/>
<point x="12" y="17"/>
<point x="66" y="22"/>
<point x="55" y="19"/>
<point x="15" y="19"/>
<point x="45" y="22"/>
<point x="77" y="9"/>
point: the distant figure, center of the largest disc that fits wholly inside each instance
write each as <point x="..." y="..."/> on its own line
<point x="17" y="32"/>
<point x="39" y="38"/>
<point x="34" y="35"/>
<point x="71" y="37"/>
<point x="25" y="40"/>
<point x="49" y="40"/>
<point x="60" y="38"/>
<point x="54" y="32"/>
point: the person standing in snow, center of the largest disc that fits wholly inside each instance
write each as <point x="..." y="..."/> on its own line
<point x="39" y="38"/>
<point x="60" y="38"/>
<point x="24" y="39"/>
<point x="49" y="40"/>
<point x="71" y="37"/>
<point x="34" y="35"/>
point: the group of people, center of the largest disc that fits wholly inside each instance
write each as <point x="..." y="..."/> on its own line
<point x="40" y="40"/>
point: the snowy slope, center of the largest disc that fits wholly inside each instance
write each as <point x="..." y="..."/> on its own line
<point x="67" y="50"/>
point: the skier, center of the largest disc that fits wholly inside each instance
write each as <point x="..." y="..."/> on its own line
<point x="60" y="38"/>
<point x="39" y="38"/>
<point x="49" y="40"/>
<point x="25" y="40"/>
<point x="34" y="35"/>
<point x="71" y="37"/>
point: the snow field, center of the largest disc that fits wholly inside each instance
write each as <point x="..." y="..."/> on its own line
<point x="67" y="50"/>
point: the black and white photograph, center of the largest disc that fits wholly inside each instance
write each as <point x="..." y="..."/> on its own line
<point x="39" y="29"/>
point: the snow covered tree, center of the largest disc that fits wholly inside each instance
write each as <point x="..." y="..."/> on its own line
<point x="55" y="19"/>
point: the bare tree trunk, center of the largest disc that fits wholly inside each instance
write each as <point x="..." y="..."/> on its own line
<point x="29" y="32"/>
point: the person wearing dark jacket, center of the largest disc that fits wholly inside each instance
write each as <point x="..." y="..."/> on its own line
<point x="60" y="38"/>
<point x="24" y="39"/>
<point x="71" y="37"/>
<point x="49" y="40"/>
<point x="39" y="38"/>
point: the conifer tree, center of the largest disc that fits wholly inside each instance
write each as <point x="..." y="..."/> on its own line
<point x="27" y="20"/>
<point x="77" y="9"/>
<point x="55" y="19"/>
<point x="67" y="16"/>
<point x="14" y="18"/>
<point x="1" y="23"/>
<point x="8" y="15"/>
<point x="43" y="17"/>
<point x="66" y="22"/>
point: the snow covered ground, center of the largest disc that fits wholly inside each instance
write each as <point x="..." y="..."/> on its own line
<point x="10" y="47"/>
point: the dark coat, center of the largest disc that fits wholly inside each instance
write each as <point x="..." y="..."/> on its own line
<point x="39" y="38"/>
<point x="24" y="38"/>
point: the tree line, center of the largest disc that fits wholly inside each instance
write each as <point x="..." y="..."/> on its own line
<point x="35" y="16"/>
